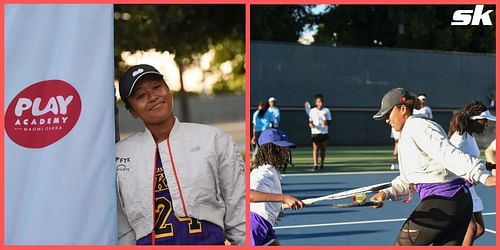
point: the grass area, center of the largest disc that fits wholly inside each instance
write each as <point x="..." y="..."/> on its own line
<point x="344" y="159"/>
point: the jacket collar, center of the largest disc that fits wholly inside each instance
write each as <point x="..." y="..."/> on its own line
<point x="173" y="132"/>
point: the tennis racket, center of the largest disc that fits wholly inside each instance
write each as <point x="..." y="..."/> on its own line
<point x="307" y="107"/>
<point x="344" y="194"/>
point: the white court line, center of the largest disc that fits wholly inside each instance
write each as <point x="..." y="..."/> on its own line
<point x="342" y="173"/>
<point x="486" y="229"/>
<point x="362" y="222"/>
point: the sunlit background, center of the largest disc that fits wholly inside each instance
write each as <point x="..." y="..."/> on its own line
<point x="199" y="77"/>
<point x="200" y="51"/>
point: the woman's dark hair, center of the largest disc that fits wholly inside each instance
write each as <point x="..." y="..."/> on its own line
<point x="271" y="154"/>
<point x="461" y="123"/>
<point x="411" y="101"/>
<point x="263" y="110"/>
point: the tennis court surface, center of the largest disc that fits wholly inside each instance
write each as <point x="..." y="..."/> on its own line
<point x="348" y="168"/>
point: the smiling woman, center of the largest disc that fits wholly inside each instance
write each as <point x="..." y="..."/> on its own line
<point x="151" y="101"/>
<point x="196" y="195"/>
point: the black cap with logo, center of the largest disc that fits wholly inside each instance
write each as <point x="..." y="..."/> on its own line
<point x="392" y="98"/>
<point x="130" y="78"/>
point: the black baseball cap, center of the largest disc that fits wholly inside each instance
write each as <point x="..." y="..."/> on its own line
<point x="130" y="78"/>
<point x="392" y="98"/>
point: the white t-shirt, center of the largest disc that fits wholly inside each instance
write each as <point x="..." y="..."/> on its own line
<point x="466" y="143"/>
<point x="266" y="179"/>
<point x="424" y="112"/>
<point x="276" y="115"/>
<point x="315" y="116"/>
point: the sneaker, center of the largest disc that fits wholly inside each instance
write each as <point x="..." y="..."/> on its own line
<point x="314" y="168"/>
<point x="321" y="166"/>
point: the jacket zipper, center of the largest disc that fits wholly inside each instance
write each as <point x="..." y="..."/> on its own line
<point x="153" y="234"/>
<point x="176" y="178"/>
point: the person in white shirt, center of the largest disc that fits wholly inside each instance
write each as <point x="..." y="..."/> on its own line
<point x="422" y="110"/>
<point x="265" y="187"/>
<point x="490" y="152"/>
<point x="319" y="119"/>
<point x="469" y="120"/>
<point x="177" y="183"/>
<point x="275" y="111"/>
<point x="437" y="170"/>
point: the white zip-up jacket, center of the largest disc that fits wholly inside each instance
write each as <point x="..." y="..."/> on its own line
<point x="205" y="176"/>
<point x="426" y="155"/>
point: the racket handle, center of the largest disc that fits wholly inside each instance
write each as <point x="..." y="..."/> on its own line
<point x="306" y="202"/>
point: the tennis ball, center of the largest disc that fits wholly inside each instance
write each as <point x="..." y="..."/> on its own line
<point x="359" y="198"/>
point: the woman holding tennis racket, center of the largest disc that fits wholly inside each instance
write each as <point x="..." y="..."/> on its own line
<point x="433" y="167"/>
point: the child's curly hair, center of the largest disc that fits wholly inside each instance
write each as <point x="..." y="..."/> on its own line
<point x="271" y="154"/>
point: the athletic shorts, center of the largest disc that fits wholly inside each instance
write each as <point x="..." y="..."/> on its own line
<point x="319" y="138"/>
<point x="262" y="232"/>
<point x="438" y="221"/>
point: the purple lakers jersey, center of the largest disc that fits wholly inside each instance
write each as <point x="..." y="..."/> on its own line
<point x="170" y="229"/>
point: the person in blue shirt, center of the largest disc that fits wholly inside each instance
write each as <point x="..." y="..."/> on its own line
<point x="261" y="120"/>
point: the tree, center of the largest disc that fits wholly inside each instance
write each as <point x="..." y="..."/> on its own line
<point x="279" y="22"/>
<point x="185" y="30"/>
<point x="396" y="26"/>
<point x="400" y="26"/>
